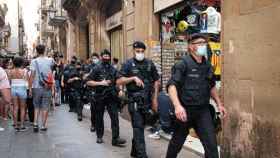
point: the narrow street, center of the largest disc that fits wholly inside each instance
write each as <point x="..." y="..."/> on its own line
<point x="68" y="138"/>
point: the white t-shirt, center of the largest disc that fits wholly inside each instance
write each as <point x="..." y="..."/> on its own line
<point x="214" y="21"/>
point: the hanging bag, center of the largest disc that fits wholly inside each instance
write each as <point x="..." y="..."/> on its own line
<point x="46" y="80"/>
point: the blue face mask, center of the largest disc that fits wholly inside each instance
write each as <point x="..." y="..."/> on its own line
<point x="201" y="50"/>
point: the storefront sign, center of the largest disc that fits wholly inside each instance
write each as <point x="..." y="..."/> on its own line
<point x="114" y="21"/>
<point x="163" y="4"/>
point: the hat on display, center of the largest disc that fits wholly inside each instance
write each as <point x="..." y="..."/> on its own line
<point x="182" y="26"/>
<point x="139" y="44"/>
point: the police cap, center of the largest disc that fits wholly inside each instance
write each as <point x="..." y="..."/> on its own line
<point x="197" y="36"/>
<point x="105" y="52"/>
<point x="139" y="44"/>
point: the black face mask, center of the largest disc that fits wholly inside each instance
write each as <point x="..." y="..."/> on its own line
<point x="73" y="62"/>
<point x="106" y="61"/>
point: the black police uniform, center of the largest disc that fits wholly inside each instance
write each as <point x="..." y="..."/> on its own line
<point x="66" y="75"/>
<point x="193" y="82"/>
<point x="90" y="92"/>
<point x="140" y="100"/>
<point x="104" y="98"/>
<point x="75" y="91"/>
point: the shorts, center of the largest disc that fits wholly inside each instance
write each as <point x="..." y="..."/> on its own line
<point x="20" y="92"/>
<point x="42" y="98"/>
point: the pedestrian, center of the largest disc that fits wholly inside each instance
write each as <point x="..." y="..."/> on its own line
<point x="58" y="71"/>
<point x="19" y="82"/>
<point x="5" y="92"/>
<point x="5" y="107"/>
<point x="41" y="86"/>
<point x="103" y="81"/>
<point x="190" y="88"/>
<point x="115" y="63"/>
<point x="141" y="78"/>
<point x="29" y="100"/>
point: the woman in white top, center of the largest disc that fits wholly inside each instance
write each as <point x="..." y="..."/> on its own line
<point x="19" y="83"/>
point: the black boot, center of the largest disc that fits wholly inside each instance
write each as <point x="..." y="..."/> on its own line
<point x="92" y="129"/>
<point x="118" y="142"/>
<point x="99" y="140"/>
<point x="80" y="118"/>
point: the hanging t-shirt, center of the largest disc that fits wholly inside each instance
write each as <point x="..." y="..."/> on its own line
<point x="193" y="21"/>
<point x="212" y="19"/>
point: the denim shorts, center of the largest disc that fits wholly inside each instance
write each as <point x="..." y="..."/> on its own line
<point x="20" y="92"/>
<point x="41" y="98"/>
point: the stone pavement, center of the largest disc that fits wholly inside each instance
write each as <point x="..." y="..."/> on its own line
<point x="68" y="138"/>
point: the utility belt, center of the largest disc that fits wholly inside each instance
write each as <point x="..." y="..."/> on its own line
<point x="140" y="101"/>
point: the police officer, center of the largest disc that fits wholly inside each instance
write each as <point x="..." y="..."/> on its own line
<point x="74" y="82"/>
<point x="90" y="90"/>
<point x="64" y="84"/>
<point x="142" y="83"/>
<point x="190" y="88"/>
<point x="103" y="79"/>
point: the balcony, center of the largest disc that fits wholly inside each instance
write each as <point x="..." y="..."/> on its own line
<point x="2" y="17"/>
<point x="57" y="20"/>
<point x="70" y="4"/>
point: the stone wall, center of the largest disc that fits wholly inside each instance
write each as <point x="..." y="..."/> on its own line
<point x="251" y="79"/>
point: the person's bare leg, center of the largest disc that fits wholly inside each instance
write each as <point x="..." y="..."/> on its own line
<point x="15" y="111"/>
<point x="45" y="117"/>
<point x="6" y="93"/>
<point x="1" y="106"/>
<point x="36" y="115"/>
<point x="22" y="111"/>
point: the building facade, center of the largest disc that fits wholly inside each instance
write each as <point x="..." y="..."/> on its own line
<point x="5" y="31"/>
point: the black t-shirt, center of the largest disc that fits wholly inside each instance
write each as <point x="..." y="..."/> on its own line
<point x="59" y="69"/>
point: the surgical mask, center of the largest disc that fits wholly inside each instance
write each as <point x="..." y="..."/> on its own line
<point x="139" y="56"/>
<point x="201" y="50"/>
<point x="95" y="61"/>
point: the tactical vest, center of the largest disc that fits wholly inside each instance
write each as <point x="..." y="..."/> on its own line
<point x="196" y="86"/>
<point x="105" y="73"/>
<point x="144" y="72"/>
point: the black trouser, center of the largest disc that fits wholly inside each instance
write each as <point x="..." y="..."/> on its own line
<point x="63" y="98"/>
<point x="75" y="102"/>
<point x="93" y="113"/>
<point x="114" y="115"/>
<point x="138" y="125"/>
<point x="200" y="119"/>
<point x="30" y="108"/>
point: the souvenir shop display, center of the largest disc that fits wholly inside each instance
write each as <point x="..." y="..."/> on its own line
<point x="198" y="16"/>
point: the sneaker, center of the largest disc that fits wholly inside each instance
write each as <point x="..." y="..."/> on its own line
<point x="23" y="128"/>
<point x="44" y="129"/>
<point x="35" y="128"/>
<point x="17" y="129"/>
<point x="154" y="135"/>
<point x="2" y="129"/>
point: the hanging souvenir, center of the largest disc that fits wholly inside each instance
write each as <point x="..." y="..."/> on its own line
<point x="213" y="21"/>
<point x="182" y="26"/>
